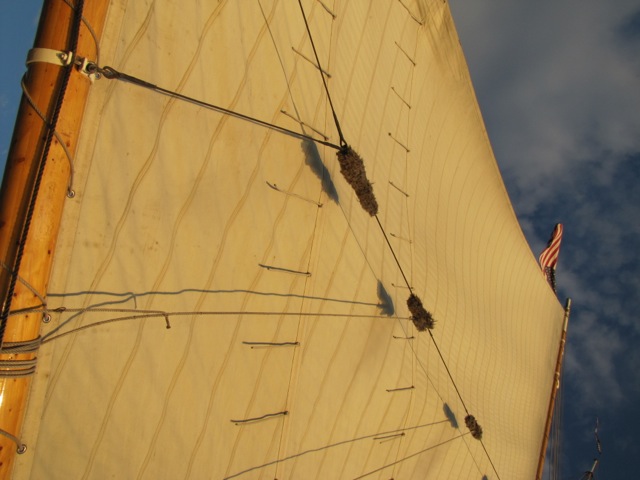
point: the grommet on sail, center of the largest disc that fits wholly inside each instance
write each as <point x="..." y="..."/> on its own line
<point x="209" y="199"/>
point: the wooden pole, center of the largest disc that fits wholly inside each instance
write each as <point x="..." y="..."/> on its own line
<point x="42" y="82"/>
<point x="554" y="390"/>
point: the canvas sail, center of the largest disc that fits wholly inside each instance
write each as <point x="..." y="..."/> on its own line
<point x="291" y="352"/>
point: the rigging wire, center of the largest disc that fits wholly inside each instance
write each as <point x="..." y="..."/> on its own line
<point x="26" y="284"/>
<point x="384" y="234"/>
<point x="145" y="314"/>
<point x="424" y="369"/>
<point x="131" y="296"/>
<point x="420" y="452"/>
<point x="324" y="80"/>
<point x="282" y="130"/>
<point x="49" y="125"/>
<point x="89" y="27"/>
<point x="476" y="430"/>
<point x="113" y="74"/>
<point x="337" y="444"/>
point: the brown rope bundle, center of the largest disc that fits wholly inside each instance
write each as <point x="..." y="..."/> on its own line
<point x="422" y="319"/>
<point x="352" y="168"/>
<point x="473" y="426"/>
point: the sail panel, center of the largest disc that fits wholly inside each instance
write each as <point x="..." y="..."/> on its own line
<point x="291" y="353"/>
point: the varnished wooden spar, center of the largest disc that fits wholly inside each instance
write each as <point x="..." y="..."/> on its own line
<point x="554" y="390"/>
<point x="42" y="82"/>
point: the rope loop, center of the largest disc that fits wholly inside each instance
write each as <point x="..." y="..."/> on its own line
<point x="21" y="447"/>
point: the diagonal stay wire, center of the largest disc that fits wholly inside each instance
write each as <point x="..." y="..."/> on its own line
<point x="384" y="234"/>
<point x="435" y="344"/>
<point x="26" y="284"/>
<point x="420" y="452"/>
<point x="344" y="143"/>
<point x="113" y="74"/>
<point x="324" y="80"/>
<point x="337" y="444"/>
<point x="424" y="369"/>
<point x="61" y="142"/>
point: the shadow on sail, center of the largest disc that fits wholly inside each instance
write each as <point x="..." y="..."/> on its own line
<point x="312" y="158"/>
<point x="134" y="296"/>
<point x="450" y="415"/>
<point x="386" y="303"/>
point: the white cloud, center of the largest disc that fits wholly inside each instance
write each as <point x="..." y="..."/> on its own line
<point x="559" y="73"/>
<point x="593" y="351"/>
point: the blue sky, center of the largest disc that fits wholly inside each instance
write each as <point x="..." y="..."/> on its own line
<point x="18" y="24"/>
<point x="559" y="87"/>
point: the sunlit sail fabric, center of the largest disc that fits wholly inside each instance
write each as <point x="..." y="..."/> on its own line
<point x="291" y="353"/>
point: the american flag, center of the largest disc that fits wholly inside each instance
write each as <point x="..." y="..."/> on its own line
<point x="549" y="256"/>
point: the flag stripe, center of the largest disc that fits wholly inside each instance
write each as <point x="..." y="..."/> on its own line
<point x="549" y="256"/>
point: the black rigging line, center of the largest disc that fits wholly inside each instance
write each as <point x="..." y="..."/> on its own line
<point x="406" y="281"/>
<point x="113" y="74"/>
<point x="324" y="81"/>
<point x="344" y="144"/>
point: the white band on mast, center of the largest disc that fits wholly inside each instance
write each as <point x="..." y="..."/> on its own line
<point x="49" y="55"/>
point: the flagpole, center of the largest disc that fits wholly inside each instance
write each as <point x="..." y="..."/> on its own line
<point x="589" y="475"/>
<point x="554" y="389"/>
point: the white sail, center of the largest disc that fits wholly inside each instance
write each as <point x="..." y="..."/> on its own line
<point x="291" y="352"/>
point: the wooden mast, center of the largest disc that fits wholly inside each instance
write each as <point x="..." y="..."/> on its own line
<point x="554" y="389"/>
<point x="43" y="82"/>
